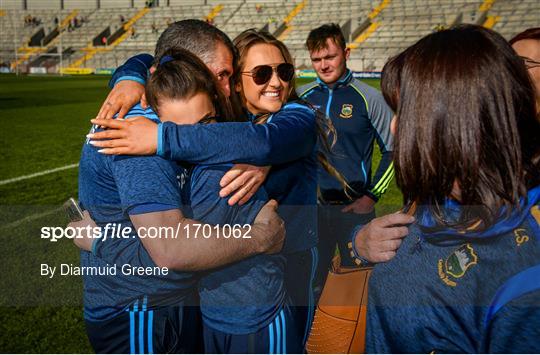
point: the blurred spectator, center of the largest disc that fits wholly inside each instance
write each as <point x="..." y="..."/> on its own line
<point x="258" y="8"/>
<point x="104" y="40"/>
<point x="527" y="46"/>
<point x="154" y="28"/>
<point x="169" y="21"/>
<point x="133" y="33"/>
<point x="122" y="19"/>
<point x="56" y="21"/>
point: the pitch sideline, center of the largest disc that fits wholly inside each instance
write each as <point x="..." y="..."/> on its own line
<point x="41" y="173"/>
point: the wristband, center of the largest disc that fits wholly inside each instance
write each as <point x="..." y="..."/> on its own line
<point x="360" y="261"/>
<point x="159" y="151"/>
<point x="131" y="78"/>
<point x="94" y="246"/>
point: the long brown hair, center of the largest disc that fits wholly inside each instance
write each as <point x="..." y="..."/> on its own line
<point x="466" y="116"/>
<point x="325" y="129"/>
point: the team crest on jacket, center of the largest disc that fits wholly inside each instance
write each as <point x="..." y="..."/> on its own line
<point x="346" y="111"/>
<point x="457" y="264"/>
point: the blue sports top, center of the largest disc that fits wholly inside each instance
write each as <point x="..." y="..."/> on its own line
<point x="246" y="296"/>
<point x="460" y="292"/>
<point x="112" y="188"/>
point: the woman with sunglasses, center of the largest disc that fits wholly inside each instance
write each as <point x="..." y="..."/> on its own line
<point x="285" y="138"/>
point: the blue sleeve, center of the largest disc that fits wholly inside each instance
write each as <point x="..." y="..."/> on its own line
<point x="145" y="184"/>
<point x="381" y="116"/>
<point x="516" y="327"/>
<point x="136" y="68"/>
<point x="209" y="207"/>
<point x="290" y="135"/>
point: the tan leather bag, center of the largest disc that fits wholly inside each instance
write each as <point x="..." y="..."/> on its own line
<point x="340" y="319"/>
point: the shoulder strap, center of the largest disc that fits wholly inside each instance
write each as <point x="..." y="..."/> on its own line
<point x="518" y="285"/>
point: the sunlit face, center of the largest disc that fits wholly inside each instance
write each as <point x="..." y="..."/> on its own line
<point x="330" y="62"/>
<point x="222" y="67"/>
<point x="196" y="109"/>
<point x="267" y="97"/>
<point x="529" y="50"/>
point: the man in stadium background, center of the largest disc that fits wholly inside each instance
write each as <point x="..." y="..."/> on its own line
<point x="360" y="117"/>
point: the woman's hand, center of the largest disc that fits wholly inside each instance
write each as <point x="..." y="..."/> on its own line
<point x="122" y="98"/>
<point x="243" y="180"/>
<point x="134" y="136"/>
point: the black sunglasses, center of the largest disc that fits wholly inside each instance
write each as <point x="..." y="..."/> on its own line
<point x="262" y="74"/>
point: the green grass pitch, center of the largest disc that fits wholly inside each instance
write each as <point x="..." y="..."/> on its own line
<point x="43" y="120"/>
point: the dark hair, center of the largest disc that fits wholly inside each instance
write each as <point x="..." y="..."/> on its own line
<point x="181" y="77"/>
<point x="466" y="113"/>
<point x="317" y="37"/>
<point x="325" y="129"/>
<point x="530" y="33"/>
<point x="197" y="36"/>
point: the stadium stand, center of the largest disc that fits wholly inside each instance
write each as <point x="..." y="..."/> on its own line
<point x="402" y="23"/>
<point x="515" y="16"/>
<point x="375" y="30"/>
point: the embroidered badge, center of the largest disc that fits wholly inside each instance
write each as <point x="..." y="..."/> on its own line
<point x="346" y="111"/>
<point x="457" y="264"/>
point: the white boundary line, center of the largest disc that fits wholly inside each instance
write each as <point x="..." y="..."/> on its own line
<point x="30" y="218"/>
<point x="41" y="173"/>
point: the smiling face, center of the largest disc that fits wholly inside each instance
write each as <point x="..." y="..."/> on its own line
<point x="267" y="97"/>
<point x="330" y="62"/>
<point x="194" y="110"/>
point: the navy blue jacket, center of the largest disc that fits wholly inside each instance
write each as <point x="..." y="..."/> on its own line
<point x="454" y="292"/>
<point x="360" y="116"/>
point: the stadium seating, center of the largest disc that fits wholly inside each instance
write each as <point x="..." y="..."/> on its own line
<point x="514" y="16"/>
<point x="376" y="30"/>
<point x="402" y="23"/>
